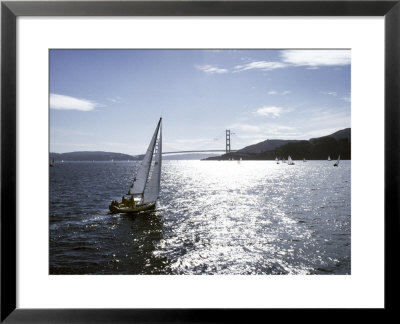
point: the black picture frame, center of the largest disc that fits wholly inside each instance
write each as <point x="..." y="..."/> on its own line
<point x="10" y="10"/>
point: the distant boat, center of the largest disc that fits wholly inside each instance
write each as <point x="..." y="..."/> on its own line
<point x="329" y="158"/>
<point x="337" y="162"/>
<point x="290" y="161"/>
<point x="277" y="161"/>
<point x="52" y="163"/>
<point x="304" y="160"/>
<point x="62" y="161"/>
<point x="146" y="185"/>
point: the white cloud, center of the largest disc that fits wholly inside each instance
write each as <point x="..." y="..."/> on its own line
<point x="269" y="111"/>
<point x="283" y="93"/>
<point x="61" y="102"/>
<point x="260" y="65"/>
<point x="314" y="58"/>
<point x="115" y="100"/>
<point x="211" y="69"/>
<point x="330" y="93"/>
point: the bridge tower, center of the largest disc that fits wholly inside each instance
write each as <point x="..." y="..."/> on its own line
<point x="228" y="141"/>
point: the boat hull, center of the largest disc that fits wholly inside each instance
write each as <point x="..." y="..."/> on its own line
<point x="118" y="208"/>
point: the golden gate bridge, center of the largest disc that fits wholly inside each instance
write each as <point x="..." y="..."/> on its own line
<point x="227" y="146"/>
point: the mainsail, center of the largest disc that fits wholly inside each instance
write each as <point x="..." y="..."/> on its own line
<point x="140" y="180"/>
<point x="338" y="160"/>
<point x="152" y="187"/>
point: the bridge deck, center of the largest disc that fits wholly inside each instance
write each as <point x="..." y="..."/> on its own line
<point x="198" y="151"/>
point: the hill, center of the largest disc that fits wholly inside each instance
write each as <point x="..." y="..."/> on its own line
<point x="264" y="146"/>
<point x="342" y="134"/>
<point x="96" y="156"/>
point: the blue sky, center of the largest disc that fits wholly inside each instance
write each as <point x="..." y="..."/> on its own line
<point x="110" y="100"/>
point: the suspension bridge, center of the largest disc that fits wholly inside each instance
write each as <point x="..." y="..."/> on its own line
<point x="227" y="146"/>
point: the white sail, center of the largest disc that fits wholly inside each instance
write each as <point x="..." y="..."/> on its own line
<point x="290" y="162"/>
<point x="152" y="188"/>
<point x="329" y="158"/>
<point x="338" y="160"/>
<point x="140" y="180"/>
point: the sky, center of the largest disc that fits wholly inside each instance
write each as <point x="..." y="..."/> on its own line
<point x="111" y="100"/>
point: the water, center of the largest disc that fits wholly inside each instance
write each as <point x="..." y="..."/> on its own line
<point x="253" y="217"/>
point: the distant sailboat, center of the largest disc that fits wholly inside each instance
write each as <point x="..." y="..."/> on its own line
<point x="337" y="162"/>
<point x="290" y="161"/>
<point x="329" y="158"/>
<point x="146" y="185"/>
<point x="52" y="163"/>
<point x="304" y="160"/>
<point x="277" y="161"/>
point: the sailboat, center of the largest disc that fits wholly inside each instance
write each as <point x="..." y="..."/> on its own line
<point x="277" y="161"/>
<point x="329" y="158"/>
<point x="337" y="162"/>
<point x="52" y="163"/>
<point x="290" y="161"/>
<point x="304" y="160"/>
<point x="146" y="185"/>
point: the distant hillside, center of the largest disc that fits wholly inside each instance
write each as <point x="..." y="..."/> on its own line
<point x="267" y="145"/>
<point x="96" y="156"/>
<point x="342" y="134"/>
<point x="314" y="149"/>
<point x="108" y="156"/>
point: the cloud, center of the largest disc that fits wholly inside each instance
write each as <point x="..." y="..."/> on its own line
<point x="211" y="69"/>
<point x="260" y="65"/>
<point x="314" y="58"/>
<point x="115" y="100"/>
<point x="330" y="93"/>
<point x="269" y="111"/>
<point x="61" y="102"/>
<point x="283" y="93"/>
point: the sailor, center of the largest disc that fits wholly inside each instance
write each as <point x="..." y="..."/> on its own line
<point x="124" y="201"/>
<point x="131" y="202"/>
